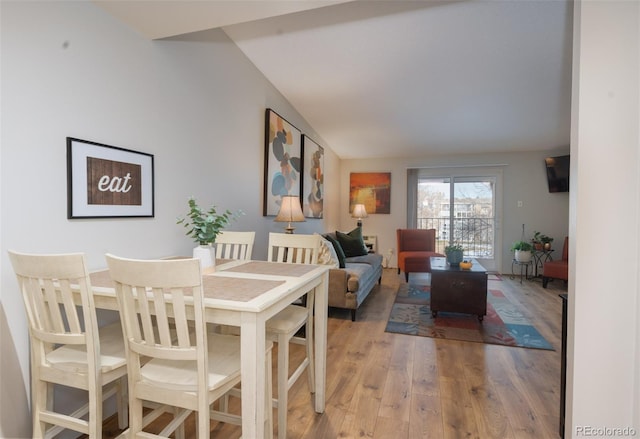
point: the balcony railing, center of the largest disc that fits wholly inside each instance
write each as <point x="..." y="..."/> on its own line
<point x="475" y="235"/>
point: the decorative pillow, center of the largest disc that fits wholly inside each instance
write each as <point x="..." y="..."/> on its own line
<point x="338" y="248"/>
<point x="352" y="243"/>
<point x="327" y="254"/>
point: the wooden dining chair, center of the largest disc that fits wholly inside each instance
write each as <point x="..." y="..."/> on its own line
<point x="161" y="306"/>
<point x="67" y="347"/>
<point x="235" y="245"/>
<point x="284" y="326"/>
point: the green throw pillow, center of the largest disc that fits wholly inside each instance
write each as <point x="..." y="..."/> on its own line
<point x="352" y="243"/>
<point x="338" y="248"/>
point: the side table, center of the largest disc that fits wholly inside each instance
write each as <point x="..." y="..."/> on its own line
<point x="523" y="266"/>
<point x="454" y="289"/>
<point x="371" y="242"/>
<point x="539" y="258"/>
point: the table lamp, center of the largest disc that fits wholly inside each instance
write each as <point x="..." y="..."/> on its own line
<point x="359" y="212"/>
<point x="290" y="211"/>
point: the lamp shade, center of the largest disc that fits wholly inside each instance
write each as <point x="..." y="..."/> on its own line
<point x="359" y="211"/>
<point x="290" y="211"/>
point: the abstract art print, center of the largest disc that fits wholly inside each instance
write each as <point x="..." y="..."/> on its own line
<point x="282" y="161"/>
<point x="313" y="181"/>
<point x="108" y="182"/>
<point x="373" y="189"/>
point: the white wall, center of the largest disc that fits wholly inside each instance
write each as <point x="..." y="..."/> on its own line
<point x="524" y="179"/>
<point x="197" y="104"/>
<point x="604" y="293"/>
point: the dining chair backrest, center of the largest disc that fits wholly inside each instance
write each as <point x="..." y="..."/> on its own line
<point x="291" y="248"/>
<point x="46" y="282"/>
<point x="234" y="245"/>
<point x="153" y="297"/>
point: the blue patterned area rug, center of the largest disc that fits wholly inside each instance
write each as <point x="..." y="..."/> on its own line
<point x="504" y="323"/>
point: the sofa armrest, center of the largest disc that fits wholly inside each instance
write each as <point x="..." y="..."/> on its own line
<point x="337" y="287"/>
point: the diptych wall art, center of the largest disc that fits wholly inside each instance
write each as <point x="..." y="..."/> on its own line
<point x="313" y="181"/>
<point x="282" y="163"/>
<point x="107" y="181"/>
<point x="373" y="189"/>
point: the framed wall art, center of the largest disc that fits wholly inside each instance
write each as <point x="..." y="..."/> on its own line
<point x="282" y="161"/>
<point x="108" y="182"/>
<point x="313" y="180"/>
<point x="373" y="189"/>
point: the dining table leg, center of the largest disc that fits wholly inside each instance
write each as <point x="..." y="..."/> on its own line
<point x="320" y="320"/>
<point x="252" y="354"/>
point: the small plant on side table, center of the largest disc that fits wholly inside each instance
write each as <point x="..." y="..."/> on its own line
<point x="542" y="240"/>
<point x="454" y="254"/>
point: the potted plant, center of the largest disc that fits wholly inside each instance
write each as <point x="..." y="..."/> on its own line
<point x="522" y="251"/>
<point x="204" y="227"/>
<point x="541" y="241"/>
<point x="537" y="244"/>
<point x="454" y="254"/>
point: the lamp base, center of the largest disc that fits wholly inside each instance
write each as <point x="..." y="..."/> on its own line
<point x="359" y="224"/>
<point x="289" y="229"/>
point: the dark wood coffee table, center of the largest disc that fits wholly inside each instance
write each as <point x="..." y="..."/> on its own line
<point x="454" y="289"/>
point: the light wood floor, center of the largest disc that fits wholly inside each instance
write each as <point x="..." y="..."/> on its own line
<point x="383" y="385"/>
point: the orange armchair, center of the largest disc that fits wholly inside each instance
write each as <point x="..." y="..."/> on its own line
<point x="557" y="269"/>
<point x="415" y="247"/>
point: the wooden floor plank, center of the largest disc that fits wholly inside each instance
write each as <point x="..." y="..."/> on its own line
<point x="458" y="416"/>
<point x="426" y="417"/>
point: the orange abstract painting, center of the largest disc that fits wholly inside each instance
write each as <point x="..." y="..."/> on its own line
<point x="373" y="189"/>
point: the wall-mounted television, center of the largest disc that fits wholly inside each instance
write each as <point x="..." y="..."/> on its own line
<point x="558" y="173"/>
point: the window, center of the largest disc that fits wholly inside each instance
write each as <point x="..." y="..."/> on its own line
<point x="462" y="205"/>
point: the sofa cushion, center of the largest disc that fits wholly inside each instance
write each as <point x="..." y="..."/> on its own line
<point x="370" y="258"/>
<point x="356" y="274"/>
<point x="337" y="247"/>
<point x="327" y="254"/>
<point x="352" y="243"/>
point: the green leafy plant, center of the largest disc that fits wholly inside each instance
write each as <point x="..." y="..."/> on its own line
<point x="205" y="226"/>
<point x="539" y="237"/>
<point x="522" y="246"/>
<point x="453" y="248"/>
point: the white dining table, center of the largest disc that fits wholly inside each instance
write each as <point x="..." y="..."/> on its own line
<point x="246" y="294"/>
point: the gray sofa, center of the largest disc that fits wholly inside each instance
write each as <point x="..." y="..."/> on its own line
<point x="349" y="286"/>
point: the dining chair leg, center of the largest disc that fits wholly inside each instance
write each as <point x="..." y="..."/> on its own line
<point x="42" y="400"/>
<point x="135" y="415"/>
<point x="121" y="402"/>
<point x="311" y="368"/>
<point x="95" y="412"/>
<point x="204" y="426"/>
<point x="179" y="433"/>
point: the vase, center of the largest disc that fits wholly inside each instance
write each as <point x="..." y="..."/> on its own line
<point x="523" y="256"/>
<point x="454" y="258"/>
<point x="207" y="256"/>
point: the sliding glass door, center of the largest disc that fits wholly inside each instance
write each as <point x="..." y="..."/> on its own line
<point x="462" y="205"/>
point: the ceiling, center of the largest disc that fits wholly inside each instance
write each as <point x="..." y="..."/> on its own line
<point x="399" y="78"/>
